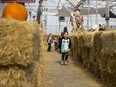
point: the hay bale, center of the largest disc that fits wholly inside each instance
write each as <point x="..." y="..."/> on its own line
<point x="72" y="45"/>
<point x="97" y="46"/>
<point x="21" y="45"/>
<point x="108" y="42"/>
<point x="91" y="58"/>
<point x="13" y="77"/>
<point x="108" y="52"/>
<point x="81" y="40"/>
<point x="88" y="39"/>
<point x="95" y="69"/>
<point x="91" y="54"/>
<point x="98" y="54"/>
<point x="85" y="56"/>
<point x="75" y="48"/>
<point x="33" y="74"/>
<point x="93" y="65"/>
<point x="16" y="42"/>
<point x="78" y="51"/>
<point x="108" y="58"/>
<point x="108" y="78"/>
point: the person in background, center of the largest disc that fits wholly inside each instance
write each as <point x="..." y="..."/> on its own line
<point x="49" y="40"/>
<point x="34" y="19"/>
<point x="62" y="36"/>
<point x="65" y="46"/>
<point x="104" y="27"/>
<point x="101" y="27"/>
<point x="65" y="30"/>
<point x="56" y="43"/>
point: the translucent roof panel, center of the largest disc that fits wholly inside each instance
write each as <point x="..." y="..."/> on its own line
<point x="51" y="8"/>
<point x="53" y="4"/>
<point x="57" y="4"/>
<point x="99" y="3"/>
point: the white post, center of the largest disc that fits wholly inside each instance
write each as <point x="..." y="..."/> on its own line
<point x="59" y="27"/>
<point x="96" y="11"/>
<point x="88" y="16"/>
<point x="107" y="14"/>
<point x="91" y="20"/>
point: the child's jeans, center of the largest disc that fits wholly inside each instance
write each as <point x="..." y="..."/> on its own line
<point x="65" y="55"/>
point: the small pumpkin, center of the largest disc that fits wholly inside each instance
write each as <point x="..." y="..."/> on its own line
<point x="16" y="11"/>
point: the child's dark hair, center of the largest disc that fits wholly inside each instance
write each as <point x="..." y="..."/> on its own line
<point x="65" y="29"/>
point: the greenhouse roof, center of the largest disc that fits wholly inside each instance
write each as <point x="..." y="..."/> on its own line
<point x="52" y="6"/>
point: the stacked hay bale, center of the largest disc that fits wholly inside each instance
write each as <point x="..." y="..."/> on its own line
<point x="86" y="43"/>
<point x="85" y="50"/>
<point x="72" y="46"/>
<point x="20" y="53"/>
<point x="75" y="47"/>
<point x="108" y="58"/>
<point x="80" y="43"/>
<point x="91" y="51"/>
<point x="75" y="51"/>
<point x="98" y="54"/>
<point x="96" y="49"/>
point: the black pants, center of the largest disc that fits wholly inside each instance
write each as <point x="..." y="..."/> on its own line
<point x="65" y="56"/>
<point x="49" y="46"/>
<point x="56" y="46"/>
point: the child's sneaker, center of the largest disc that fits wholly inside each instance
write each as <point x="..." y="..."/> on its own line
<point x="66" y="63"/>
<point x="62" y="62"/>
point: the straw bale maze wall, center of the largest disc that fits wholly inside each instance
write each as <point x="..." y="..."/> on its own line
<point x="97" y="52"/>
<point x="21" y="48"/>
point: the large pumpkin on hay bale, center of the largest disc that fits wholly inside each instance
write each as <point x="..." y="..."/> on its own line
<point x="16" y="11"/>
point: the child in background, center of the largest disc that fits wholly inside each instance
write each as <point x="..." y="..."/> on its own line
<point x="49" y="40"/>
<point x="34" y="19"/>
<point x="56" y="43"/>
<point x="64" y="45"/>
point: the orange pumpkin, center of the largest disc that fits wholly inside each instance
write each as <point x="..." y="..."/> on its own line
<point x="16" y="11"/>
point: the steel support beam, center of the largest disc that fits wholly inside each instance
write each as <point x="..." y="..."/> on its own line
<point x="107" y="14"/>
